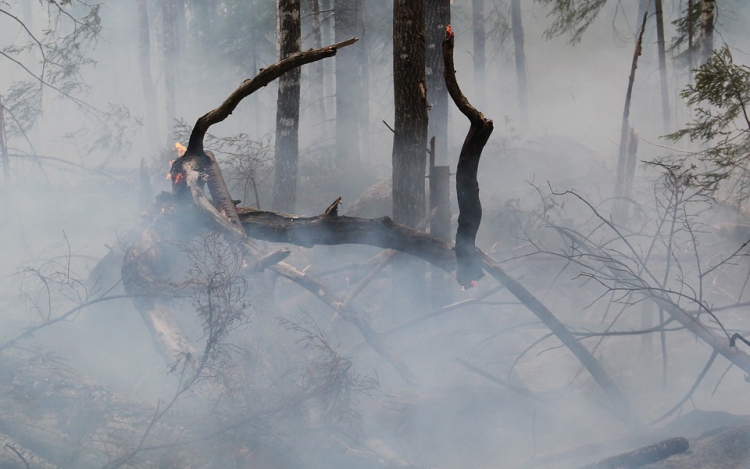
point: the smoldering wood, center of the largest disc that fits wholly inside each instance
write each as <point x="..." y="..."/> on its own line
<point x="469" y="269"/>
<point x="642" y="456"/>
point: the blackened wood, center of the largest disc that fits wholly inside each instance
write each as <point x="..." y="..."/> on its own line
<point x="708" y="19"/>
<point x="667" y="120"/>
<point x="438" y="16"/>
<point x="287" y="110"/>
<point x="248" y="87"/>
<point x="469" y="268"/>
<point x="348" y="84"/>
<point x="642" y="456"/>
<point x="522" y="81"/>
<point x="410" y="124"/>
<point x="144" y="62"/>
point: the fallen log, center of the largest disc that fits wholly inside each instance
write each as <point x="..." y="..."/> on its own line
<point x="642" y="456"/>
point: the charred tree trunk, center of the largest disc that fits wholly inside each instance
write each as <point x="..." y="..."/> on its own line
<point x="708" y="19"/>
<point x="169" y="42"/>
<point x="363" y="61"/>
<point x="409" y="142"/>
<point x="625" y="126"/>
<point x="477" y="14"/>
<point x="410" y="97"/>
<point x="522" y="81"/>
<point x="440" y="223"/>
<point x="667" y="120"/>
<point x="468" y="265"/>
<point x="144" y="59"/>
<point x="348" y="85"/>
<point x="438" y="14"/>
<point x="287" y="111"/>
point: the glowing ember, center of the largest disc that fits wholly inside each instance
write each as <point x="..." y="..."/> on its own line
<point x="449" y="32"/>
<point x="472" y="285"/>
<point x="181" y="149"/>
<point x="178" y="177"/>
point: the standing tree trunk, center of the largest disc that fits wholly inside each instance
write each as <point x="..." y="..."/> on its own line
<point x="287" y="110"/>
<point x="477" y="14"/>
<point x="144" y="59"/>
<point x="348" y="84"/>
<point x="516" y="26"/>
<point x="620" y="206"/>
<point x="409" y="144"/>
<point x="169" y="42"/>
<point x="708" y="18"/>
<point x="666" y="117"/>
<point x="438" y="14"/>
<point x="363" y="61"/>
<point x="318" y="72"/>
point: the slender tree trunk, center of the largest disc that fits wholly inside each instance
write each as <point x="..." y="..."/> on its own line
<point x="625" y="129"/>
<point x="477" y="14"/>
<point x="708" y="18"/>
<point x="326" y="33"/>
<point x="317" y="83"/>
<point x="348" y="84"/>
<point x="691" y="40"/>
<point x="4" y="145"/>
<point x="438" y="14"/>
<point x="409" y="145"/>
<point x="666" y="116"/>
<point x="287" y="111"/>
<point x="170" y="62"/>
<point x="144" y="59"/>
<point x="364" y="72"/>
<point x="520" y="54"/>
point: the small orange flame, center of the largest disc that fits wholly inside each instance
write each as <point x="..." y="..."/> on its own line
<point x="178" y="177"/>
<point x="471" y="285"/>
<point x="181" y="149"/>
<point x="448" y="32"/>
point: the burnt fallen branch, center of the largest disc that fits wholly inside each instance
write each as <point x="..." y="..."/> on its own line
<point x="469" y="267"/>
<point x="642" y="456"/>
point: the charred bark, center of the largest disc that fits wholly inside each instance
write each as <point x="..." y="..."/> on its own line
<point x="622" y="156"/>
<point x="667" y="120"/>
<point x="438" y="14"/>
<point x="287" y="110"/>
<point x="469" y="268"/>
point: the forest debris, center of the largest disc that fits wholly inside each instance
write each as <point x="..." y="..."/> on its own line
<point x="642" y="456"/>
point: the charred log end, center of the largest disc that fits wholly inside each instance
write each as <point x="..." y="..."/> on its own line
<point x="182" y="166"/>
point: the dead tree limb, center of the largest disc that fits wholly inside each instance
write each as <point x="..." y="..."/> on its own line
<point x="469" y="268"/>
<point x="620" y="406"/>
<point x="642" y="456"/>
<point x="248" y="87"/>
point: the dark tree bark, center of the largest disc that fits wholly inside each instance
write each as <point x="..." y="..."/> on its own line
<point x="522" y="81"/>
<point x="410" y="97"/>
<point x="169" y="42"/>
<point x="144" y="59"/>
<point x="663" y="67"/>
<point x="468" y="265"/>
<point x="438" y="14"/>
<point x="625" y="125"/>
<point x="409" y="144"/>
<point x="708" y="18"/>
<point x="348" y="84"/>
<point x="287" y="110"/>
<point x="477" y="14"/>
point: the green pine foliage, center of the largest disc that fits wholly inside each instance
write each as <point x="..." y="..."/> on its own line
<point x="720" y="96"/>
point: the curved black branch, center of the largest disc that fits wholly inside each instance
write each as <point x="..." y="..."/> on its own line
<point x="248" y="87"/>
<point x="469" y="267"/>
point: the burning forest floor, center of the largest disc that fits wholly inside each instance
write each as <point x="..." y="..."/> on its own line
<point x="300" y="386"/>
